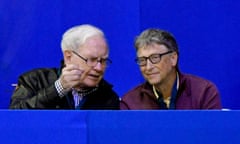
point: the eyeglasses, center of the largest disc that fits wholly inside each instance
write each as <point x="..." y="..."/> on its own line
<point x="93" y="61"/>
<point x="154" y="58"/>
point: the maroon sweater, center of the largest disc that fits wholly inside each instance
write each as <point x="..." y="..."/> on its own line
<point x="193" y="93"/>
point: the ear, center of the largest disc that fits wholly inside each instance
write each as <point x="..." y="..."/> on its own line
<point x="174" y="58"/>
<point x="67" y="54"/>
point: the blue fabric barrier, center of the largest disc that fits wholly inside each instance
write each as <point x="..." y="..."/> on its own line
<point x="166" y="127"/>
<point x="43" y="127"/>
<point x="119" y="127"/>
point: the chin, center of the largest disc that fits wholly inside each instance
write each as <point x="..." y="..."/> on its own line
<point x="153" y="81"/>
<point x="92" y="83"/>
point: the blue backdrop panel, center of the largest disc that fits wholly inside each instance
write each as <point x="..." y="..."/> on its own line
<point x="43" y="127"/>
<point x="169" y="127"/>
<point x="207" y="33"/>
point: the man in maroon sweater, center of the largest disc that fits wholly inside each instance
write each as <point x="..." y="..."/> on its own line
<point x="166" y="87"/>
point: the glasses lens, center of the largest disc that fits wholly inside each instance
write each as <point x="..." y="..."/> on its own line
<point x="94" y="61"/>
<point x="155" y="58"/>
<point x="141" y="61"/>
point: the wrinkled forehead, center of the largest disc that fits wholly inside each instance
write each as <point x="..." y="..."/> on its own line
<point x="150" y="49"/>
<point x="95" y="46"/>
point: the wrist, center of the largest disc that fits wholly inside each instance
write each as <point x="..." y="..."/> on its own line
<point x="60" y="89"/>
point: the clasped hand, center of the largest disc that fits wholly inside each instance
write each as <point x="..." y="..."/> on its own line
<point x="72" y="77"/>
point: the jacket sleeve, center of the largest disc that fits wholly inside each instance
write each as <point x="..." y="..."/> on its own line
<point x="34" y="92"/>
<point x="123" y="105"/>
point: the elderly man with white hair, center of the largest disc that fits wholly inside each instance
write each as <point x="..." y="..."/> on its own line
<point x="78" y="84"/>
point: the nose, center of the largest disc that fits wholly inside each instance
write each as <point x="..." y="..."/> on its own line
<point x="149" y="64"/>
<point x="99" y="66"/>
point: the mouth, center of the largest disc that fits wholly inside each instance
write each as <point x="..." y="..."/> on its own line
<point x="94" y="76"/>
<point x="150" y="75"/>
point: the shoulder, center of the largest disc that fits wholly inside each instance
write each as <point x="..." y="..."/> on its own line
<point x="204" y="93"/>
<point x="196" y="82"/>
<point x="107" y="88"/>
<point x="106" y="84"/>
<point x="193" y="79"/>
<point x="137" y="90"/>
<point x="39" y="73"/>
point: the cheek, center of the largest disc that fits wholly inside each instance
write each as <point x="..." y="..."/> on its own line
<point x="166" y="66"/>
<point x="77" y="61"/>
<point x="141" y="69"/>
<point x="67" y="60"/>
<point x="71" y="60"/>
<point x="84" y="67"/>
<point x="174" y="59"/>
<point x="163" y="66"/>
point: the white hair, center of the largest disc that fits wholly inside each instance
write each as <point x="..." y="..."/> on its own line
<point x="74" y="37"/>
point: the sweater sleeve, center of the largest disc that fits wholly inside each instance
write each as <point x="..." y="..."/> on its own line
<point x="211" y="97"/>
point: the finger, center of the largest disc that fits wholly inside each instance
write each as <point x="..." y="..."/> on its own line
<point x="83" y="75"/>
<point x="70" y="67"/>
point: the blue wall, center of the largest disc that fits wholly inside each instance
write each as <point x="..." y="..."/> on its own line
<point x="206" y="31"/>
